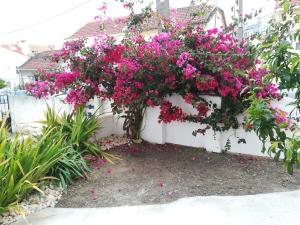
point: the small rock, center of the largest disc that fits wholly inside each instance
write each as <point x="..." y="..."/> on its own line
<point x="33" y="203"/>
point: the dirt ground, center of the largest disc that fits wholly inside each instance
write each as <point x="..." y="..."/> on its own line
<point x="151" y="174"/>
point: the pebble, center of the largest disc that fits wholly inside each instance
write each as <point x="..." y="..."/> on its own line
<point x="112" y="141"/>
<point x="33" y="203"/>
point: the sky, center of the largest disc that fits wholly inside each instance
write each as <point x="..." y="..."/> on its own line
<point x="55" y="20"/>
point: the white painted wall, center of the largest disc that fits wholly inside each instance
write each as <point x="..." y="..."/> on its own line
<point x="26" y="111"/>
<point x="9" y="61"/>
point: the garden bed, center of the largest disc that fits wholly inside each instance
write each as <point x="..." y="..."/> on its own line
<point x="151" y="174"/>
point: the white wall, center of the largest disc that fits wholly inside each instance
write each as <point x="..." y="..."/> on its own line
<point x="9" y="61"/>
<point x="26" y="111"/>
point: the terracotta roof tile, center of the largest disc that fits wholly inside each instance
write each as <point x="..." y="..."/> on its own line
<point x="39" y="61"/>
<point x="117" y="26"/>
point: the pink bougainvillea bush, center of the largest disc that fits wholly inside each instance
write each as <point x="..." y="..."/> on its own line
<point x="137" y="73"/>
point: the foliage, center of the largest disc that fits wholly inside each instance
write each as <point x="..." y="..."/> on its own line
<point x="71" y="166"/>
<point x="277" y="51"/>
<point x="76" y="130"/>
<point x="24" y="164"/>
<point x="2" y="84"/>
<point x="69" y="128"/>
<point x="188" y="61"/>
<point x="271" y="124"/>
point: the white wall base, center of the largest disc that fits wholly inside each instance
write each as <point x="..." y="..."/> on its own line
<point x="26" y="111"/>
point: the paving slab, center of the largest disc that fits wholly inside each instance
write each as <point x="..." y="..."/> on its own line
<point x="262" y="209"/>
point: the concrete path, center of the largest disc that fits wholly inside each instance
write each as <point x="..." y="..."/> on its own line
<point x="263" y="209"/>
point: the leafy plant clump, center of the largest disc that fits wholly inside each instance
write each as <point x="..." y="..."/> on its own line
<point x="2" y="84"/>
<point x="24" y="164"/>
<point x="27" y="162"/>
<point x="76" y="130"/>
<point x="76" y="127"/>
<point x="272" y="124"/>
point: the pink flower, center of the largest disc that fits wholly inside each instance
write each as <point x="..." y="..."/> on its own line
<point x="202" y="109"/>
<point x="161" y="184"/>
<point x="93" y="193"/>
<point x="150" y="103"/>
<point x="169" y="113"/>
<point x="188" y="71"/>
<point x="189" y="98"/>
<point x="102" y="8"/>
<point x="183" y="58"/>
<point x="170" y="193"/>
<point x="126" y="5"/>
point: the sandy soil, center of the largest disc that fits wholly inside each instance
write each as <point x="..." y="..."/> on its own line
<point x="150" y="174"/>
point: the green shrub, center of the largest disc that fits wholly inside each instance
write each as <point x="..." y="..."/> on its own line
<point x="76" y="129"/>
<point x="24" y="163"/>
<point x="2" y="84"/>
<point x="72" y="165"/>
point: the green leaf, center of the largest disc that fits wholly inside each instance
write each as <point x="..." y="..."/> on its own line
<point x="242" y="140"/>
<point x="290" y="168"/>
<point x="277" y="155"/>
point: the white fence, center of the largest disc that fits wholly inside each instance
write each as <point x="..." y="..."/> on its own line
<point x="26" y="111"/>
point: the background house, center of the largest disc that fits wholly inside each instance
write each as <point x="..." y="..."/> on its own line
<point x="38" y="61"/>
<point x="14" y="55"/>
<point x="11" y="57"/>
<point x="212" y="17"/>
<point x="260" y="23"/>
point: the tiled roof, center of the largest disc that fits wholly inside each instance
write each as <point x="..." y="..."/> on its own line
<point x="117" y="26"/>
<point x="12" y="47"/>
<point x="39" y="61"/>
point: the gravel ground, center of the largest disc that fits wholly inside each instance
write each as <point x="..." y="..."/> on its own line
<point x="33" y="203"/>
<point x="151" y="174"/>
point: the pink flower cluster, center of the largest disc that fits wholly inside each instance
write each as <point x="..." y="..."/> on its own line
<point x="281" y="118"/>
<point x="40" y="89"/>
<point x="169" y="113"/>
<point x="183" y="58"/>
<point x="65" y="79"/>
